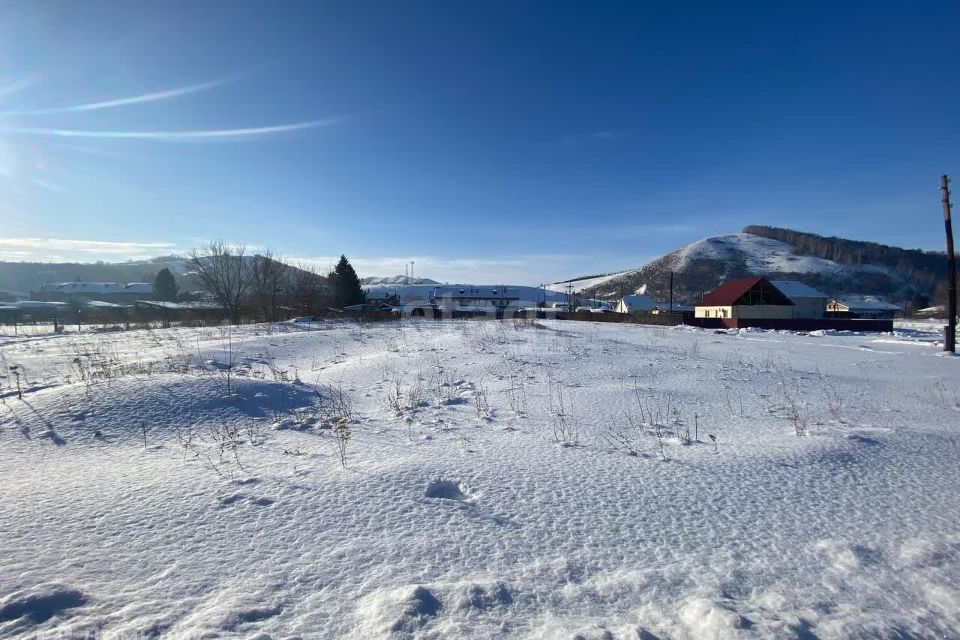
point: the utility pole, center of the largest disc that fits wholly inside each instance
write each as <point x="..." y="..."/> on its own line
<point x="949" y="331"/>
<point x="671" y="292"/>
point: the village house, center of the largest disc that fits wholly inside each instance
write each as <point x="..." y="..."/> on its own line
<point x="808" y="303"/>
<point x="635" y="304"/>
<point x="745" y="299"/>
<point x="469" y="299"/>
<point x="867" y="308"/>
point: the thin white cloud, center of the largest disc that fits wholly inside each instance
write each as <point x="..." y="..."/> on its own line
<point x="120" y="102"/>
<point x="42" y="247"/>
<point x="154" y="96"/>
<point x="576" y="139"/>
<point x="18" y="85"/>
<point x="174" y="136"/>
<point x="46" y="184"/>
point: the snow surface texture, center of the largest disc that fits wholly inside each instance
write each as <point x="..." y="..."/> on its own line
<point x="519" y="480"/>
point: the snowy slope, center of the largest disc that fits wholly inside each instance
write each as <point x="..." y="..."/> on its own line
<point x="584" y="283"/>
<point x="761" y="255"/>
<point x="701" y="265"/>
<point x="142" y="499"/>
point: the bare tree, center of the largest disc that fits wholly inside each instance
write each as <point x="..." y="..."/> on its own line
<point x="225" y="273"/>
<point x="307" y="287"/>
<point x="268" y="280"/>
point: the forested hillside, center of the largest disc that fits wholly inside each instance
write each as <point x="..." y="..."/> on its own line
<point x="836" y="266"/>
<point x="923" y="269"/>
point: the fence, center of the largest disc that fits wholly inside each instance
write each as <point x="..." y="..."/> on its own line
<point x="796" y="324"/>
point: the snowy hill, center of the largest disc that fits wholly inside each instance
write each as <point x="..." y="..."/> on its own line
<point x="580" y="284"/>
<point x="701" y="265"/>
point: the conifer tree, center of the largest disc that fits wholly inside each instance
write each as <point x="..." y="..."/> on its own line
<point x="165" y="285"/>
<point x="346" y="285"/>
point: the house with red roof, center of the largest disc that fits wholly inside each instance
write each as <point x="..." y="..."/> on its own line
<point x="745" y="299"/>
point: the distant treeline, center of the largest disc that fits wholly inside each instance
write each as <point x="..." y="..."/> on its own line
<point x="26" y="276"/>
<point x="925" y="270"/>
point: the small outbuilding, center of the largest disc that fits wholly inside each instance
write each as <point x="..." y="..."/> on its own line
<point x="866" y="308"/>
<point x="746" y="298"/>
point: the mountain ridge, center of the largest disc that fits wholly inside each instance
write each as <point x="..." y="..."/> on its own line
<point x="836" y="266"/>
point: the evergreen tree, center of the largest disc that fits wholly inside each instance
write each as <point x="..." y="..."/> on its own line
<point x="917" y="302"/>
<point x="346" y="285"/>
<point x="166" y="285"/>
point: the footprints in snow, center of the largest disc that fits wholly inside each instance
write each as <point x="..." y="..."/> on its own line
<point x="417" y="609"/>
<point x="40" y="603"/>
<point x="242" y="616"/>
<point x="241" y="498"/>
<point x="448" y="490"/>
<point x="457" y="494"/>
<point x="406" y="610"/>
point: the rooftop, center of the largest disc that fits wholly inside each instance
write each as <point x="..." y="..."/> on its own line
<point x="796" y="289"/>
<point x="869" y="305"/>
<point x="731" y="291"/>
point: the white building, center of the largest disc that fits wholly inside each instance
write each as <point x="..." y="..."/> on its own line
<point x="807" y="301"/>
<point x="635" y="304"/>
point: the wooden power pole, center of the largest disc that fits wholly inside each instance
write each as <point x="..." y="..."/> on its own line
<point x="950" y="331"/>
<point x="671" y="292"/>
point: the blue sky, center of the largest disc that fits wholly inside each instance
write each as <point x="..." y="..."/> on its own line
<point x="487" y="141"/>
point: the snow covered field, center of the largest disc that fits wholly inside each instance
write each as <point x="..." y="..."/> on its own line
<point x="479" y="479"/>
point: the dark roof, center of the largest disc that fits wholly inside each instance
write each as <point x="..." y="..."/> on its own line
<point x="727" y="294"/>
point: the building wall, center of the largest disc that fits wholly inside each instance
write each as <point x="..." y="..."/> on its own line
<point x="763" y="312"/>
<point x="635" y="311"/>
<point x="809" y="307"/>
<point x="875" y="313"/>
<point x="713" y="312"/>
<point x="758" y="311"/>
